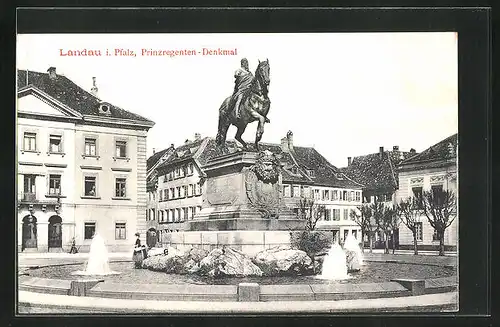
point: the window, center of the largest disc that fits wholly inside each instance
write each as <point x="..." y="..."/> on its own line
<point x="178" y="192"/>
<point x="162" y="216"/>
<point x="172" y="193"/>
<point x="198" y="209"/>
<point x="90" y="146"/>
<point x="120" y="231"/>
<point x="367" y="199"/>
<point x="190" y="190"/>
<point x="120" y="187"/>
<point x="90" y="186"/>
<point x="29" y="141"/>
<point x="418" y="231"/>
<point x="336" y="214"/>
<point x="316" y="195"/>
<point x="306" y="191"/>
<point x="351" y="196"/>
<point x="184" y="191"/>
<point x="186" y="213"/>
<point x="55" y="144"/>
<point x="54" y="184"/>
<point x="121" y="149"/>
<point x="335" y="195"/>
<point x="435" y="235"/>
<point x="296" y="191"/>
<point x="346" y="214"/>
<point x="190" y="169"/>
<point x="172" y="215"/>
<point x="417" y="193"/>
<point x="29" y="184"/>
<point x="89" y="230"/>
<point x="198" y="189"/>
<point x="327" y="214"/>
<point x="161" y="196"/>
<point x="193" y="212"/>
<point x="437" y="194"/>
<point x="286" y="190"/>
<point x="179" y="217"/>
<point x="147" y="215"/>
<point x="358" y="196"/>
<point x="344" y="196"/>
<point x="153" y="214"/>
<point x="326" y="195"/>
<point x="165" y="194"/>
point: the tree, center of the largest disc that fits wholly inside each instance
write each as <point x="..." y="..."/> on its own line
<point x="409" y="212"/>
<point x="377" y="208"/>
<point x="363" y="217"/>
<point x="440" y="208"/>
<point x="310" y="211"/>
<point x="393" y="223"/>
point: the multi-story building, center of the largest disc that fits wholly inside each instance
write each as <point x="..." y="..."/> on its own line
<point x="378" y="173"/>
<point x="81" y="166"/>
<point x="432" y="169"/>
<point x="152" y="194"/>
<point x="305" y="172"/>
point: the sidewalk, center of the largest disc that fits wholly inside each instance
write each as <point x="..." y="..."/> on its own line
<point x="49" y="303"/>
<point x="420" y="252"/>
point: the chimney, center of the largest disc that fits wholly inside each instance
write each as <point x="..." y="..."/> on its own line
<point x="289" y="137"/>
<point x="349" y="160"/>
<point x="186" y="141"/>
<point x="412" y="150"/>
<point x="284" y="144"/>
<point x="197" y="136"/>
<point x="381" y="151"/>
<point x="94" y="88"/>
<point x="154" y="150"/>
<point x="395" y="148"/>
<point x="52" y="72"/>
<point x="172" y="146"/>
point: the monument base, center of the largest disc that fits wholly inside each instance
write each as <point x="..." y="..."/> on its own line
<point x="243" y="192"/>
<point x="248" y="242"/>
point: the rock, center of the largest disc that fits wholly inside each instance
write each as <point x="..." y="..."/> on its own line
<point x="352" y="261"/>
<point x="156" y="251"/>
<point x="176" y="262"/>
<point x="283" y="261"/>
<point x="227" y="262"/>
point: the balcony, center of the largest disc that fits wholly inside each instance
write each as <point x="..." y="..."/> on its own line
<point x="27" y="197"/>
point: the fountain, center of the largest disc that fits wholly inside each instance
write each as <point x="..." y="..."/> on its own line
<point x="334" y="264"/>
<point x="98" y="263"/>
<point x="352" y="244"/>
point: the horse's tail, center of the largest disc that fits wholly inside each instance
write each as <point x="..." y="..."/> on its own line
<point x="223" y="122"/>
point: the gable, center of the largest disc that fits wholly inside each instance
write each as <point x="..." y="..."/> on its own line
<point x="35" y="105"/>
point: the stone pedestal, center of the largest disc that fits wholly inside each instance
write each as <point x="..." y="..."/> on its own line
<point x="243" y="192"/>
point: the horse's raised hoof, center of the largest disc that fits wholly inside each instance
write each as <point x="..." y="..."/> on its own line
<point x="267" y="120"/>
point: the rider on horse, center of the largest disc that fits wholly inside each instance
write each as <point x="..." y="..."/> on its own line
<point x="243" y="81"/>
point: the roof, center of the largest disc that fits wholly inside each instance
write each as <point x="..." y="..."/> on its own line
<point x="184" y="152"/>
<point x="296" y="165"/>
<point x="441" y="151"/>
<point x="67" y="92"/>
<point x="376" y="172"/>
<point x="151" y="161"/>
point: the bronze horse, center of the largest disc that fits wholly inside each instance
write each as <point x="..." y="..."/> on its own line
<point x="253" y="107"/>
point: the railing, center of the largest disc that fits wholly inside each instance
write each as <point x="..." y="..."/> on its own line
<point x="27" y="196"/>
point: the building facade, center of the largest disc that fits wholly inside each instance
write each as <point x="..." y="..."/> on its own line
<point x="81" y="166"/>
<point x="305" y="173"/>
<point x="378" y="173"/>
<point x="434" y="168"/>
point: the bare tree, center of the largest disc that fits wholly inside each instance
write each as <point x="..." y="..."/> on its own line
<point x="393" y="223"/>
<point x="363" y="217"/>
<point x="377" y="208"/>
<point x="409" y="212"/>
<point x="440" y="208"/>
<point x="310" y="211"/>
<point x="384" y="223"/>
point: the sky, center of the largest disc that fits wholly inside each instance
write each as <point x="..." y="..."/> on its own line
<point x="345" y="94"/>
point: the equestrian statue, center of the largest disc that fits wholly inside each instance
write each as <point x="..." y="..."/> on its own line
<point x="248" y="103"/>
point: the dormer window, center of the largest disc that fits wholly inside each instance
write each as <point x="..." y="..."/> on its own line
<point x="310" y="172"/>
<point x="104" y="109"/>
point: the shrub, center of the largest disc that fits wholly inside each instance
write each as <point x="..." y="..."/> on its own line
<point x="311" y="242"/>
